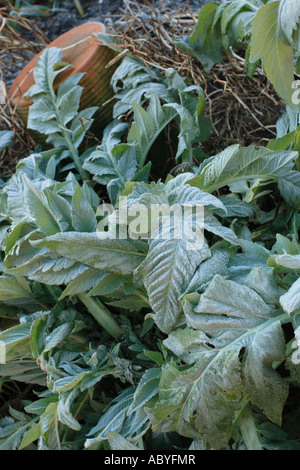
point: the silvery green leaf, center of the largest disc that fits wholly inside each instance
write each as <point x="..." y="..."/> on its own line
<point x="232" y="314"/>
<point x="291" y="300"/>
<point x="11" y="433"/>
<point x="166" y="272"/>
<point x="14" y="289"/>
<point x="52" y="270"/>
<point x="187" y="344"/>
<point x="236" y="164"/>
<point x="133" y="81"/>
<point x="146" y="389"/>
<point x="44" y="72"/>
<point x="16" y="340"/>
<point x="107" y="284"/>
<point x="112" y="161"/>
<point x="211" y="224"/>
<point x="68" y="103"/>
<point x="133" y="303"/>
<point x="6" y="138"/>
<point x="262" y="281"/>
<point x="65" y="416"/>
<point x="189" y="130"/>
<point x="113" y="419"/>
<point x="37" y="207"/>
<point x="57" y="335"/>
<point x="289" y="187"/>
<point x="120" y="256"/>
<point x="226" y="310"/>
<point x="15" y="187"/>
<point x="147" y="125"/>
<point x="286" y="261"/>
<point x="203" y="43"/>
<point x="23" y="369"/>
<point x="187" y="397"/>
<point x="83" y="214"/>
<point x="62" y="209"/>
<point x="217" y="264"/>
<point x="234" y="207"/>
<point x="284" y="245"/>
<point x="118" y="442"/>
<point x="49" y="427"/>
<point x="83" y="282"/>
<point x="81" y="123"/>
<point x="261" y="382"/>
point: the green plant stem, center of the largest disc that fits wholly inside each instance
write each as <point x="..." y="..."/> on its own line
<point x="73" y="151"/>
<point x="249" y="431"/>
<point x="75" y="157"/>
<point x="101" y="314"/>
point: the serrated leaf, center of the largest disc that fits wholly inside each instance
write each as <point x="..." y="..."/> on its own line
<point x="49" y="427"/>
<point x="233" y="314"/>
<point x="235" y="165"/>
<point x="83" y="215"/>
<point x="83" y="282"/>
<point x="187" y="398"/>
<point x="262" y="383"/>
<point x="120" y="256"/>
<point x="147" y="125"/>
<point x="38" y="208"/>
<point x="166" y="272"/>
<point x="112" y="420"/>
<point x="118" y="442"/>
<point x="146" y="389"/>
<point x="216" y="264"/>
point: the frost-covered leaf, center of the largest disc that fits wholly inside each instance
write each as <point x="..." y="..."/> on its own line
<point x="83" y="282"/>
<point x="286" y="261"/>
<point x="290" y="301"/>
<point x="188" y="396"/>
<point x="147" y="125"/>
<point x="56" y="113"/>
<point x="235" y="165"/>
<point x="146" y="389"/>
<point x="120" y="256"/>
<point x="166" y="272"/>
<point x="112" y="420"/>
<point x="217" y="264"/>
<point x="118" y="442"/>
<point x="234" y="314"/>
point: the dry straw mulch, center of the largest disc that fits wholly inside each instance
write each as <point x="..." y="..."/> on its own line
<point x="242" y="110"/>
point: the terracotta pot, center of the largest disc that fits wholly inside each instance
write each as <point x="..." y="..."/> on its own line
<point x="85" y="53"/>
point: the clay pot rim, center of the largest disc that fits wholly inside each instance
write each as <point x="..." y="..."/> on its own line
<point x="30" y="66"/>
